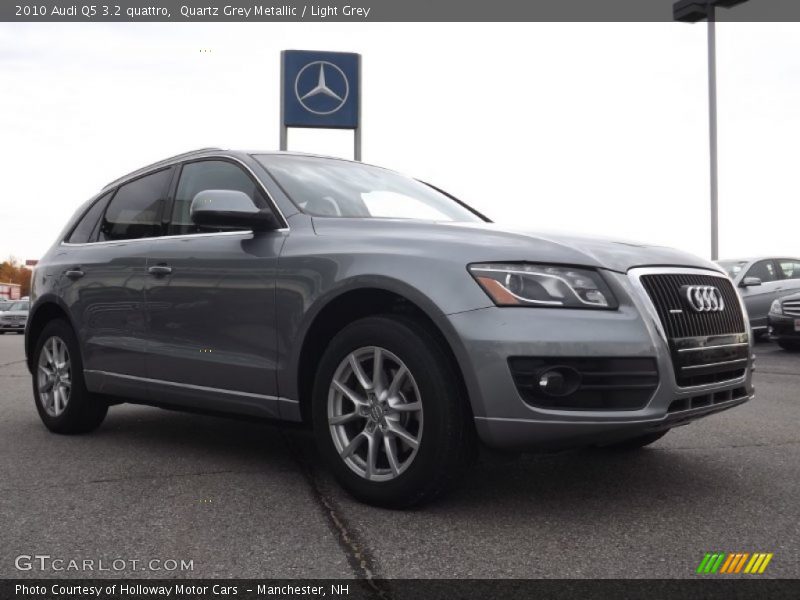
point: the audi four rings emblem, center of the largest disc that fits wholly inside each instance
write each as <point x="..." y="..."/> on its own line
<point x="704" y="298"/>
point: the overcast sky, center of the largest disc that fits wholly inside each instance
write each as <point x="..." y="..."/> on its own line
<point x="599" y="129"/>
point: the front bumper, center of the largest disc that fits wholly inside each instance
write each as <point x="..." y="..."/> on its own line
<point x="504" y="420"/>
<point x="782" y="327"/>
<point x="13" y="326"/>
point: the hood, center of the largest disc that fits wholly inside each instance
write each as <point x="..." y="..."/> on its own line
<point x="489" y="242"/>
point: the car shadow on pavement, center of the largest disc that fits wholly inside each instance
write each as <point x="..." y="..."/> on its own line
<point x="568" y="481"/>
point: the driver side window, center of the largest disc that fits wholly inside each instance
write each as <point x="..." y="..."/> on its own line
<point x="764" y="270"/>
<point x="208" y="175"/>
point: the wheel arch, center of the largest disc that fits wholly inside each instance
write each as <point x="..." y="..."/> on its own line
<point x="45" y="309"/>
<point x="361" y="299"/>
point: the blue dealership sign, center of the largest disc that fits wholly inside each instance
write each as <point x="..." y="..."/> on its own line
<point x="320" y="89"/>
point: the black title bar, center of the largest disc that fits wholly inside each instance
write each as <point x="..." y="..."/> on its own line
<point x="706" y="587"/>
<point x="361" y="11"/>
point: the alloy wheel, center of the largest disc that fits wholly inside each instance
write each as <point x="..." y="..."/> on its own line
<point x="375" y="413"/>
<point x="54" y="376"/>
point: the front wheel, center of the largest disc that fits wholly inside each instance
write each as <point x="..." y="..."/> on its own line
<point x="62" y="400"/>
<point x="389" y="414"/>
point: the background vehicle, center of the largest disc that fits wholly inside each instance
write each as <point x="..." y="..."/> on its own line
<point x="4" y="304"/>
<point x="397" y="322"/>
<point x="784" y="322"/>
<point x="14" y="317"/>
<point x="760" y="282"/>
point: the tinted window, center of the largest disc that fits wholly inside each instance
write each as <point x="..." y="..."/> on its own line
<point x="208" y="175"/>
<point x="85" y="227"/>
<point x="135" y="210"/>
<point x="764" y="270"/>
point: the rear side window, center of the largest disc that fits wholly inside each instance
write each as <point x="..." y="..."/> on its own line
<point x="135" y="210"/>
<point x="208" y="175"/>
<point x="790" y="268"/>
<point x="86" y="226"/>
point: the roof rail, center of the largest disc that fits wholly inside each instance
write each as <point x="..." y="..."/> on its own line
<point x="160" y="162"/>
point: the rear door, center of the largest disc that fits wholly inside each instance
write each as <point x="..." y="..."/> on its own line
<point x="102" y="282"/>
<point x="210" y="301"/>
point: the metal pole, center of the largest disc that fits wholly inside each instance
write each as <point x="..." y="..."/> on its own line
<point x="283" y="136"/>
<point x="712" y="129"/>
<point x="357" y="132"/>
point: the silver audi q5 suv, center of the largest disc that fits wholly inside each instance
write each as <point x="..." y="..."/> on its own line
<point x="400" y="324"/>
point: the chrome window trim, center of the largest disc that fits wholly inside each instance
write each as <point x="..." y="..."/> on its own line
<point x="167" y="165"/>
<point x="189" y="386"/>
<point x="172" y="237"/>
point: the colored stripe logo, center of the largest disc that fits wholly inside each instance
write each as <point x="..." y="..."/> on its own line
<point x="734" y="562"/>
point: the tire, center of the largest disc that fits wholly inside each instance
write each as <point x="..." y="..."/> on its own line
<point x="443" y="429"/>
<point x="789" y="346"/>
<point x="637" y="442"/>
<point x="83" y="411"/>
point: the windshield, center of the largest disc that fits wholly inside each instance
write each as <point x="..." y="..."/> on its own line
<point x="326" y="187"/>
<point x="732" y="267"/>
<point x="17" y="306"/>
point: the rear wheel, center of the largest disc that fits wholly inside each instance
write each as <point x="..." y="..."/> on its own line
<point x="789" y="346"/>
<point x="636" y="442"/>
<point x="62" y="400"/>
<point x="389" y="415"/>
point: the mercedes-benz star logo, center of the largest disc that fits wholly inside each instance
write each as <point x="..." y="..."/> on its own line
<point x="704" y="298"/>
<point x="321" y="87"/>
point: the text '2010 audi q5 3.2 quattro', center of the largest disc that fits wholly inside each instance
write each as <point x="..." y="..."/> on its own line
<point x="400" y="324"/>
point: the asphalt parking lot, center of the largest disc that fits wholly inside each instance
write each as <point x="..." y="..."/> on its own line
<point x="245" y="499"/>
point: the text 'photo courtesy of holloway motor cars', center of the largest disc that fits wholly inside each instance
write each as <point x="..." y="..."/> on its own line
<point x="400" y="324"/>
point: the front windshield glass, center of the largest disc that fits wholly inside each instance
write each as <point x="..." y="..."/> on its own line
<point x="732" y="267"/>
<point x="326" y="187"/>
<point x="18" y="306"/>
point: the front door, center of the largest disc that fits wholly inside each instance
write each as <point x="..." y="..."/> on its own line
<point x="210" y="304"/>
<point x="758" y="298"/>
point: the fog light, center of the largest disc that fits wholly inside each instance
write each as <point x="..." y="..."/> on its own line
<point x="558" y="381"/>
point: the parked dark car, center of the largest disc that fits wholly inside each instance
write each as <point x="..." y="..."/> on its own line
<point x="401" y="325"/>
<point x="784" y="322"/>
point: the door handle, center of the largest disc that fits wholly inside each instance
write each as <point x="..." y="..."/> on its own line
<point x="159" y="270"/>
<point x="74" y="273"/>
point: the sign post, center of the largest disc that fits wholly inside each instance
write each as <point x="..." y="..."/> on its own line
<point x="321" y="90"/>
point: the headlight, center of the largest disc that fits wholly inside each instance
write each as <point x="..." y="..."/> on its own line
<point x="775" y="308"/>
<point x="543" y="285"/>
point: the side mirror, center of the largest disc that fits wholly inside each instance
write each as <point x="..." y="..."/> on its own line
<point x="230" y="208"/>
<point x="750" y="282"/>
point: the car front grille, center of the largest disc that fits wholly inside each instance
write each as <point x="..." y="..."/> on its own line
<point x="707" y="347"/>
<point x="791" y="308"/>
